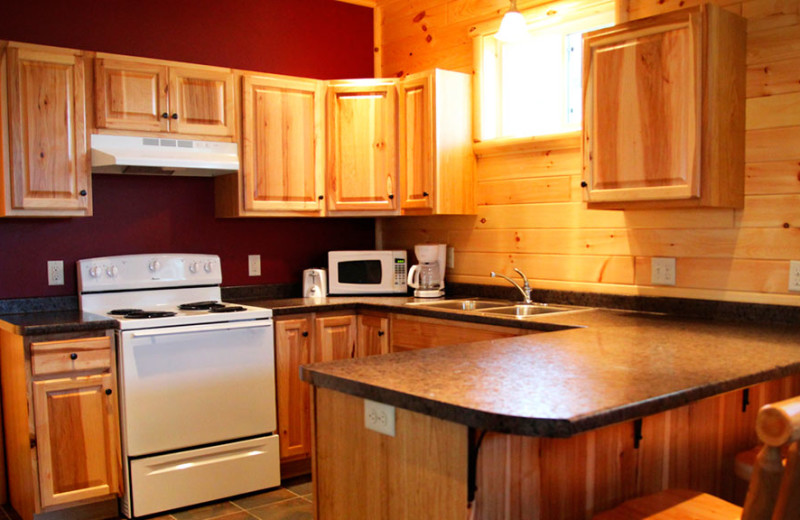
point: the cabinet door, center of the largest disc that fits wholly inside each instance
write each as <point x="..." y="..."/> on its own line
<point x="417" y="143"/>
<point x="283" y="164"/>
<point x="362" y="151"/>
<point x="131" y="95"/>
<point x="642" y="111"/>
<point x="77" y="438"/>
<point x="293" y="349"/>
<point x="201" y="101"/>
<point x="334" y="338"/>
<point x="373" y="335"/>
<point x="49" y="161"/>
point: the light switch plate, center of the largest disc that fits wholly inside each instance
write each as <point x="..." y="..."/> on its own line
<point x="254" y="265"/>
<point x="451" y="257"/>
<point x="662" y="271"/>
<point x="379" y="417"/>
<point x="794" y="275"/>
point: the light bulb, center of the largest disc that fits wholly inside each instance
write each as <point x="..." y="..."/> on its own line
<point x="513" y="27"/>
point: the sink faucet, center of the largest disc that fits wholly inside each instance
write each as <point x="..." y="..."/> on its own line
<point x="525" y="289"/>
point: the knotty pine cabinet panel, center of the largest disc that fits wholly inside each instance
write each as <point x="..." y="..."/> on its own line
<point x="335" y="337"/>
<point x="131" y="95"/>
<point x="292" y="350"/>
<point x="61" y="424"/>
<point x="414" y="332"/>
<point x="283" y="166"/>
<point x="45" y="160"/>
<point x="143" y="95"/>
<point x="362" y="146"/>
<point x="373" y="334"/>
<point x="664" y="107"/>
<point x="436" y="158"/>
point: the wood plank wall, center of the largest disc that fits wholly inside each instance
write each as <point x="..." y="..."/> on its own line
<point x="530" y="213"/>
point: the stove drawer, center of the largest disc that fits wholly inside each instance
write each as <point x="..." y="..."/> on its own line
<point x="76" y="355"/>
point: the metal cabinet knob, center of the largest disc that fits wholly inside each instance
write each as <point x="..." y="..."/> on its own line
<point x="424" y="193"/>
<point x="175" y="116"/>
<point x="305" y="334"/>
<point x="73" y="356"/>
<point x="82" y="193"/>
<point x="165" y="115"/>
<point x="391" y="196"/>
<point x="584" y="184"/>
<point x="108" y="391"/>
<point x="321" y="197"/>
<point x="381" y="333"/>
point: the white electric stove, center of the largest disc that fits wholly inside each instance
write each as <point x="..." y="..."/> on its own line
<point x="196" y="380"/>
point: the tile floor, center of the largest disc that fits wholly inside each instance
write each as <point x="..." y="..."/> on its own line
<point x="291" y="501"/>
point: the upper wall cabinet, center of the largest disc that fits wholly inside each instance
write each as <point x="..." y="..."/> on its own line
<point x="664" y="101"/>
<point x="362" y="146"/>
<point x="283" y="150"/>
<point x="436" y="159"/>
<point x="156" y="96"/>
<point x="45" y="160"/>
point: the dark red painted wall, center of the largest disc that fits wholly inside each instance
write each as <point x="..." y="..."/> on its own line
<point x="312" y="38"/>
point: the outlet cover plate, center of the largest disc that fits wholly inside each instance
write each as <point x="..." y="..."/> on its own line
<point x="254" y="265"/>
<point x="379" y="417"/>
<point x="794" y="275"/>
<point x="662" y="271"/>
<point x="55" y="272"/>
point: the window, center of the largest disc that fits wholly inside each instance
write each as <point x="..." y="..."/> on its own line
<point x="533" y="88"/>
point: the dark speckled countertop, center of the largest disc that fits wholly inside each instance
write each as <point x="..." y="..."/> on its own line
<point x="53" y="322"/>
<point x="611" y="366"/>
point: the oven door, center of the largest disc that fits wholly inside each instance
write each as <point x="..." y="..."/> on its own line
<point x="190" y="386"/>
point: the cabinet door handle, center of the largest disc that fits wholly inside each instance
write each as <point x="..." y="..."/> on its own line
<point x="73" y="356"/>
<point x="584" y="184"/>
<point x="391" y="196"/>
<point x="305" y="334"/>
<point x="321" y="197"/>
<point x="424" y="193"/>
<point x="175" y="116"/>
<point x="82" y="193"/>
<point x="381" y="333"/>
<point x="165" y="115"/>
<point x="108" y="391"/>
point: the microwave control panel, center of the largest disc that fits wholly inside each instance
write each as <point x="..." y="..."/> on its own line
<point x="400" y="272"/>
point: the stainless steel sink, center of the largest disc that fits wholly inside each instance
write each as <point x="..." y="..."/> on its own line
<point x="525" y="310"/>
<point x="461" y="305"/>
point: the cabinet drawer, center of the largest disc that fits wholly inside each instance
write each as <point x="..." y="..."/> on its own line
<point x="53" y="357"/>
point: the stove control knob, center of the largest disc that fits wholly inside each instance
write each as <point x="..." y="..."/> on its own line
<point x="208" y="267"/>
<point x="112" y="271"/>
<point x="194" y="267"/>
<point x="95" y="271"/>
<point x="154" y="266"/>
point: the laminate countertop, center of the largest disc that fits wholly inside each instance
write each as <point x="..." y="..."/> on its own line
<point x="606" y="366"/>
<point x="54" y="322"/>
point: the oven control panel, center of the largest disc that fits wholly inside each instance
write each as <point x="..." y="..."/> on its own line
<point x="115" y="273"/>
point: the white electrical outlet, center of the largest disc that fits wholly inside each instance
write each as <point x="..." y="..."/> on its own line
<point x="794" y="275"/>
<point x="254" y="265"/>
<point x="379" y="417"/>
<point x="662" y="271"/>
<point x="55" y="272"/>
<point x="451" y="257"/>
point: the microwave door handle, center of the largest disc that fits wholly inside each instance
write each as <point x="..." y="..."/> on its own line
<point x="202" y="328"/>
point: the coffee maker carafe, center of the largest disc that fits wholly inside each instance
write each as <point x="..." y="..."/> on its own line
<point x="427" y="278"/>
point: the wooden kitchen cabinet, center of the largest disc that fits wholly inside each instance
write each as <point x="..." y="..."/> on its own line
<point x="63" y="442"/>
<point x="436" y="159"/>
<point x="415" y="332"/>
<point x="283" y="142"/>
<point x="138" y="94"/>
<point x="335" y="337"/>
<point x="293" y="349"/>
<point x="362" y="146"/>
<point x="373" y="334"/>
<point x="44" y="156"/>
<point x="664" y="102"/>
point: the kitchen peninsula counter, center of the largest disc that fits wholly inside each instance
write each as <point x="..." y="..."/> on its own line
<point x="555" y="425"/>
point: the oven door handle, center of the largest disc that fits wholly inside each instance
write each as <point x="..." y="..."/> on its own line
<point x="203" y="328"/>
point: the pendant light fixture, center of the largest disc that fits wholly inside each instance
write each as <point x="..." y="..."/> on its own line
<point x="512" y="28"/>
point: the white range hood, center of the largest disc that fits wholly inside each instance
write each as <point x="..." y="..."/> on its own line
<point x="159" y="156"/>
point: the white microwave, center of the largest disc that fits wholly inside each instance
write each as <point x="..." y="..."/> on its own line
<point x="367" y="272"/>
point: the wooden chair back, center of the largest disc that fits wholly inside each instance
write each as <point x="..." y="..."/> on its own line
<point x="774" y="491"/>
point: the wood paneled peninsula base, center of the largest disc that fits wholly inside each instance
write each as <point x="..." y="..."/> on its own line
<point x="557" y="425"/>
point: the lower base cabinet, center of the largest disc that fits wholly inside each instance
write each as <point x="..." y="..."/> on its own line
<point x="309" y="338"/>
<point x="63" y="444"/>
